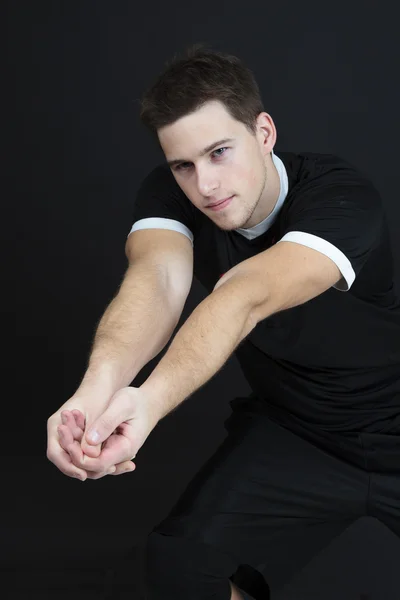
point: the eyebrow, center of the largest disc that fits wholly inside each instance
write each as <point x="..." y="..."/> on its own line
<point x="176" y="161"/>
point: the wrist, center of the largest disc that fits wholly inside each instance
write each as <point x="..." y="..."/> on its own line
<point x="155" y="397"/>
<point x="102" y="378"/>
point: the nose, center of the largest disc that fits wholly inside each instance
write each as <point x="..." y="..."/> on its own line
<point x="206" y="182"/>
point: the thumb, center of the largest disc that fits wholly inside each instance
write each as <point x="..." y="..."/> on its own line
<point x="116" y="413"/>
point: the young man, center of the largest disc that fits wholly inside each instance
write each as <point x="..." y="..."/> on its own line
<point x="294" y="251"/>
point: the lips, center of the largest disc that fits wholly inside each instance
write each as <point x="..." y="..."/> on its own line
<point x="219" y="202"/>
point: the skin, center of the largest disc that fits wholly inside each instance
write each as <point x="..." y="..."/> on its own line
<point x="235" y="594"/>
<point x="70" y="436"/>
<point x="243" y="167"/>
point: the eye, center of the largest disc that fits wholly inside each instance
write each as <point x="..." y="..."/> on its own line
<point x="223" y="148"/>
<point x="182" y="168"/>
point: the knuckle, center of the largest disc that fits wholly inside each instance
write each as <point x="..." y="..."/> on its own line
<point x="79" y="464"/>
<point x="76" y="463"/>
<point x="75" y="475"/>
<point x="52" y="455"/>
<point x="65" y="470"/>
<point x="94" y="468"/>
<point x="96" y="475"/>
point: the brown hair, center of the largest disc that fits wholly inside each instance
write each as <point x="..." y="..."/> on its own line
<point x="201" y="75"/>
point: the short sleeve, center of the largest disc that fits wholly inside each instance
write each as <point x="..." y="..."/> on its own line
<point x="161" y="204"/>
<point x="341" y="220"/>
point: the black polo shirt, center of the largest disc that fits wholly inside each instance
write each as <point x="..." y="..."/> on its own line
<point x="333" y="362"/>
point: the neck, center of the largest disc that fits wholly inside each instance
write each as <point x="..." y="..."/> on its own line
<point x="273" y="185"/>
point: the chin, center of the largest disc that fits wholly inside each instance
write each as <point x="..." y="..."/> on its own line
<point x="228" y="225"/>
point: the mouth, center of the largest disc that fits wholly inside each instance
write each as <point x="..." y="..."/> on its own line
<point x="221" y="204"/>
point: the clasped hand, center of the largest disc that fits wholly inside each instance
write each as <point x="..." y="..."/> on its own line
<point x="122" y="429"/>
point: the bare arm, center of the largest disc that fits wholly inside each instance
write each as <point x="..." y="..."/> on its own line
<point x="135" y="327"/>
<point x="202" y="346"/>
<point x="281" y="277"/>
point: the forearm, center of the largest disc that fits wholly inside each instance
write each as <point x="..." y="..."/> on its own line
<point x="201" y="347"/>
<point x="135" y="327"/>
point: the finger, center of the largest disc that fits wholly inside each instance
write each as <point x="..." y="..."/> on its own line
<point x="70" y="445"/>
<point x="68" y="420"/>
<point x="125" y="467"/>
<point x="65" y="437"/>
<point x="62" y="460"/>
<point x="117" y="413"/>
<point x="89" y="450"/>
<point x="79" y="418"/>
<point x="92" y="475"/>
<point x="99" y="464"/>
<point x="116" y="449"/>
<point x="78" y="458"/>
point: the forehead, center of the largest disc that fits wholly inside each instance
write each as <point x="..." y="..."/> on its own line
<point x="191" y="133"/>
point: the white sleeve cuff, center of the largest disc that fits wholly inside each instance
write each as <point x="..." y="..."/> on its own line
<point x="321" y="245"/>
<point x="162" y="223"/>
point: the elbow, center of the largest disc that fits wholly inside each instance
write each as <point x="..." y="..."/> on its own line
<point x="261" y="309"/>
<point x="233" y="286"/>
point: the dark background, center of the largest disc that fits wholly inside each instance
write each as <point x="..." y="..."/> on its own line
<point x="74" y="155"/>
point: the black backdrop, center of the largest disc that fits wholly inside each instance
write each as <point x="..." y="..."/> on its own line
<point x="75" y="153"/>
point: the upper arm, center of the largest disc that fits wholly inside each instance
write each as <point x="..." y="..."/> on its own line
<point x="292" y="274"/>
<point x="284" y="276"/>
<point x="342" y="220"/>
<point x="328" y="237"/>
<point x="169" y="252"/>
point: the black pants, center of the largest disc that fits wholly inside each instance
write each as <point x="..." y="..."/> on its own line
<point x="268" y="500"/>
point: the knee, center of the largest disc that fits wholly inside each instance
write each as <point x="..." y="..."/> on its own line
<point x="178" y="567"/>
<point x="164" y="560"/>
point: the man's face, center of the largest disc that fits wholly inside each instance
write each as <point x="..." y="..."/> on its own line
<point x="235" y="168"/>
